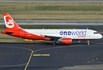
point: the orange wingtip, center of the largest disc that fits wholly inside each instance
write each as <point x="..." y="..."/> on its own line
<point x="47" y="39"/>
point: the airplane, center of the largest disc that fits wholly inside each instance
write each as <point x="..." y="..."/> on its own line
<point x="65" y="36"/>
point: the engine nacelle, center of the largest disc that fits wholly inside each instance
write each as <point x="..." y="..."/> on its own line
<point x="66" y="40"/>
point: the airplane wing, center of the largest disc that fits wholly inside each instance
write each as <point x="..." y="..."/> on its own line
<point x="52" y="38"/>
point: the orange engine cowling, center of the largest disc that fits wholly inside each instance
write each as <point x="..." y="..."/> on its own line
<point x="66" y="40"/>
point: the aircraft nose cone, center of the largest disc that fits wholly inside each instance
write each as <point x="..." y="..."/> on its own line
<point x="100" y="36"/>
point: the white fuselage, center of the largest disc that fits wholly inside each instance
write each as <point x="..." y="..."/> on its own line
<point x="67" y="33"/>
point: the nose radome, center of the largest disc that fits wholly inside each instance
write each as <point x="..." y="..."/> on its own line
<point x="100" y="36"/>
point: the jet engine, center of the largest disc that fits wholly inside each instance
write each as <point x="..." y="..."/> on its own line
<point x="66" y="40"/>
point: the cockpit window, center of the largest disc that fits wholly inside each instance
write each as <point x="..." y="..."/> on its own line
<point x="95" y="32"/>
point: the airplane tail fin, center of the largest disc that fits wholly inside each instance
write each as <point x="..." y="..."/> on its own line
<point x="9" y="22"/>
